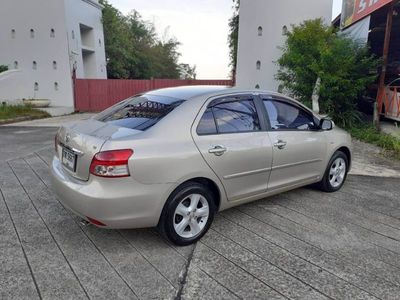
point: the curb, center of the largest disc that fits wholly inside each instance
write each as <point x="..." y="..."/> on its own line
<point x="18" y="119"/>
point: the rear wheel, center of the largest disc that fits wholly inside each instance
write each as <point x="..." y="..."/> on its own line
<point x="336" y="173"/>
<point x="188" y="214"/>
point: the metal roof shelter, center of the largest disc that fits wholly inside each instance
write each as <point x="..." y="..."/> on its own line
<point x="378" y="23"/>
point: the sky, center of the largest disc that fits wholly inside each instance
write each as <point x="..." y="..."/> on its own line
<point x="200" y="25"/>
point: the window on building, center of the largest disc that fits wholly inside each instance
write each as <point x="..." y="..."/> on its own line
<point x="54" y="65"/>
<point x="258" y="65"/>
<point x="36" y="86"/>
<point x="32" y="33"/>
<point x="284" y="30"/>
<point x="34" y="65"/>
<point x="13" y="33"/>
<point x="15" y="64"/>
<point x="73" y="34"/>
<point x="52" y="33"/>
<point x="260" y="31"/>
<point x="56" y="86"/>
<point x="100" y="42"/>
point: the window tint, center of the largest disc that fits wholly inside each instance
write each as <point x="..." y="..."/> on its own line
<point x="207" y="123"/>
<point x="236" y="116"/>
<point x="283" y="116"/>
<point x="139" y="113"/>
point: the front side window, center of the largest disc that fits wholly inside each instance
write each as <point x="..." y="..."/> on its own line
<point x="284" y="116"/>
<point x="139" y="113"/>
<point x="230" y="116"/>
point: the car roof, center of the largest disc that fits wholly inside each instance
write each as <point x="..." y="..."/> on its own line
<point x="195" y="91"/>
<point x="188" y="92"/>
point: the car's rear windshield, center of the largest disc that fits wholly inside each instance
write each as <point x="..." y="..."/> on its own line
<point x="139" y="112"/>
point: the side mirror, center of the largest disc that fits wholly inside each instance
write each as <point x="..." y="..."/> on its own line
<point x="326" y="124"/>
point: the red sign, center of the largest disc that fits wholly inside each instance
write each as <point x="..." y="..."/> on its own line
<point x="355" y="10"/>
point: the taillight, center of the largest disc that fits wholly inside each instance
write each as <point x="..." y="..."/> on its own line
<point x="111" y="163"/>
<point x="96" y="222"/>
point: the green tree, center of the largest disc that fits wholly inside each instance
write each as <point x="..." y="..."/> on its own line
<point x="187" y="71"/>
<point x="117" y="42"/>
<point x="133" y="49"/>
<point x="163" y="57"/>
<point x="233" y="38"/>
<point x="313" y="50"/>
<point x="3" y="68"/>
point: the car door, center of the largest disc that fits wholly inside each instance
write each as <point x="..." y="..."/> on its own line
<point x="232" y="139"/>
<point x="299" y="147"/>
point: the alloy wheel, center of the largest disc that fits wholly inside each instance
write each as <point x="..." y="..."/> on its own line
<point x="337" y="172"/>
<point x="191" y="215"/>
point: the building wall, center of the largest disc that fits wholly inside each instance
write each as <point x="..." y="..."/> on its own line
<point x="271" y="16"/>
<point x="44" y="58"/>
<point x="86" y="38"/>
<point x="21" y="47"/>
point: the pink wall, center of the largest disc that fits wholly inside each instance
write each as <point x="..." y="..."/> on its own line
<point x="92" y="95"/>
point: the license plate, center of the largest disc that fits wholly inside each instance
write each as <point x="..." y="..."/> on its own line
<point x="69" y="159"/>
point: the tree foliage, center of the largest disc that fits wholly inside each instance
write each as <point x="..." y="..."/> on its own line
<point x="187" y="71"/>
<point x="233" y="38"/>
<point x="313" y="50"/>
<point x="3" y="68"/>
<point x="133" y="49"/>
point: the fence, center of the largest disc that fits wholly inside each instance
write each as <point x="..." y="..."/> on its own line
<point x="92" y="95"/>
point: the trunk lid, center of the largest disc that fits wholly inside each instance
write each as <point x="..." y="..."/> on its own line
<point x="83" y="140"/>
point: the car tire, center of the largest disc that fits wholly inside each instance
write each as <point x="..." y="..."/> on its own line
<point x="187" y="214"/>
<point x="335" y="174"/>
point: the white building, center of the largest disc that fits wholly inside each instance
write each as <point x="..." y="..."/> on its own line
<point x="42" y="41"/>
<point x="261" y="27"/>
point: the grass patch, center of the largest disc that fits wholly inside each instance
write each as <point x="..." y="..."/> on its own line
<point x="369" y="134"/>
<point x="15" y="111"/>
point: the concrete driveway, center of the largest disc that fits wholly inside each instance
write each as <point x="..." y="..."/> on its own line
<point x="302" y="244"/>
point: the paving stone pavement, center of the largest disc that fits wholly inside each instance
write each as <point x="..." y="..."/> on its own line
<point x="303" y="244"/>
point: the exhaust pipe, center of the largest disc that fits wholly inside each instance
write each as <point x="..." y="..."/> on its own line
<point x="84" y="223"/>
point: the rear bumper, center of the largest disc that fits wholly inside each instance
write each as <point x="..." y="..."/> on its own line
<point x="117" y="202"/>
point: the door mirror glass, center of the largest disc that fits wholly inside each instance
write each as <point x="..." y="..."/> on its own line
<point x="326" y="124"/>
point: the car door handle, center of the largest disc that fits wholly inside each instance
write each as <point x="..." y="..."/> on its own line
<point x="280" y="144"/>
<point x="217" y="150"/>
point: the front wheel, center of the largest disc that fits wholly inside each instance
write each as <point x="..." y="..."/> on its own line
<point x="336" y="173"/>
<point x="188" y="214"/>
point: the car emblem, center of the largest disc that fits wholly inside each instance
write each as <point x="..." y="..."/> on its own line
<point x="67" y="138"/>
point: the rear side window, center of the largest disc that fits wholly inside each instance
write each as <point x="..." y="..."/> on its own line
<point x="139" y="113"/>
<point x="230" y="116"/>
<point x="207" y="123"/>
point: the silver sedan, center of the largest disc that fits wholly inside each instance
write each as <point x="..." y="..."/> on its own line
<point x="174" y="157"/>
